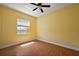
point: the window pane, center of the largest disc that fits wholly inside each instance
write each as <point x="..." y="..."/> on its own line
<point x="23" y="26"/>
<point x="23" y="22"/>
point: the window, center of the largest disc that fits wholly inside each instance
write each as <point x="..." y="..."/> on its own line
<point x="23" y="26"/>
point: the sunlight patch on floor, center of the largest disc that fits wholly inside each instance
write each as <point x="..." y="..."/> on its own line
<point x="23" y="45"/>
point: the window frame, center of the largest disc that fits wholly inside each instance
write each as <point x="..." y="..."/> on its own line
<point x="20" y="25"/>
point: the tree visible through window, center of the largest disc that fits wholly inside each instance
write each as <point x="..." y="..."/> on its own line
<point x="23" y="26"/>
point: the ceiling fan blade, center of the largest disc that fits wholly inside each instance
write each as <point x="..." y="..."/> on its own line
<point x="34" y="4"/>
<point x="39" y="4"/>
<point x="35" y="9"/>
<point x="41" y="10"/>
<point x="45" y="5"/>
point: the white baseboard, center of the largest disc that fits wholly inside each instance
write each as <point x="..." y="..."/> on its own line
<point x="13" y="44"/>
<point x="59" y="44"/>
<point x="41" y="39"/>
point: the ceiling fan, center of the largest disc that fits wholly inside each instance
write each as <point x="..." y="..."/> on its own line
<point x="39" y="6"/>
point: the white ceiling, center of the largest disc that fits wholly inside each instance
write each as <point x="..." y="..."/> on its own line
<point x="27" y="8"/>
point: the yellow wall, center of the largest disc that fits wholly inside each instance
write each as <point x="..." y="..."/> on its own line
<point x="61" y="26"/>
<point x="9" y="18"/>
<point x="0" y="22"/>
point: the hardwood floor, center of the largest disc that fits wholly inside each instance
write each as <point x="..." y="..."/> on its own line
<point x="37" y="48"/>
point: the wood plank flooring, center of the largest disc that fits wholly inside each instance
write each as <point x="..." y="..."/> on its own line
<point x="37" y="48"/>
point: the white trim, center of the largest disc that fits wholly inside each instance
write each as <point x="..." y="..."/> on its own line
<point x="59" y="44"/>
<point x="41" y="39"/>
<point x="16" y="43"/>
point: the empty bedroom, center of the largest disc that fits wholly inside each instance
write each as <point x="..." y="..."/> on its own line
<point x="39" y="29"/>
